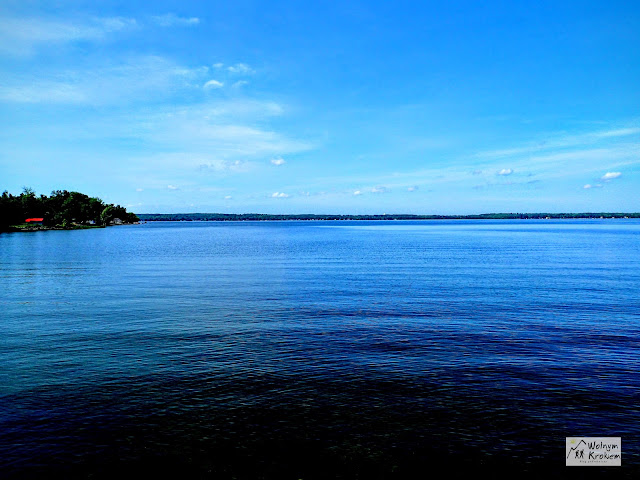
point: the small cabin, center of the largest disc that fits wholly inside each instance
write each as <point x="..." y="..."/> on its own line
<point x="34" y="221"/>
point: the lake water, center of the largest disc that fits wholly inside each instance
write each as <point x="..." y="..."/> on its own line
<point x="318" y="349"/>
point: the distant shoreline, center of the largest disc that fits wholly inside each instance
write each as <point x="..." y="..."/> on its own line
<point x="230" y="217"/>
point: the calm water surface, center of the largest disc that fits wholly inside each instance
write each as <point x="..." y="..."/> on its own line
<point x="318" y="349"/>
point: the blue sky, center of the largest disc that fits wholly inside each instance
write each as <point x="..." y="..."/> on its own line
<point x="324" y="107"/>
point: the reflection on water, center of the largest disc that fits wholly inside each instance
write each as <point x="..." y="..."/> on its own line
<point x="318" y="349"/>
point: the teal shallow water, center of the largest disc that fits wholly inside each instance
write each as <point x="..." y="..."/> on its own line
<point x="317" y="349"/>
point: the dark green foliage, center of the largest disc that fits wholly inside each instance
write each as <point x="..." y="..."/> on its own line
<point x="62" y="209"/>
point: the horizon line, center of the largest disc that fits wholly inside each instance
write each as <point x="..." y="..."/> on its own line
<point x="391" y="214"/>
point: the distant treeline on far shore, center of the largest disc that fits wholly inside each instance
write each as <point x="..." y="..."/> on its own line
<point x="179" y="217"/>
<point x="61" y="209"/>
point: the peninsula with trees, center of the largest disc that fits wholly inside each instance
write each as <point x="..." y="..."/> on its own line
<point x="62" y="210"/>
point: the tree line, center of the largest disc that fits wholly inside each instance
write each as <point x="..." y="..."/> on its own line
<point x="177" y="217"/>
<point x="61" y="209"/>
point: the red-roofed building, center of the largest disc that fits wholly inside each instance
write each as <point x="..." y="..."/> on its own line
<point x="34" y="220"/>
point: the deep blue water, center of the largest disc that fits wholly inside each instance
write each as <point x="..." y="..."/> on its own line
<point x="318" y="349"/>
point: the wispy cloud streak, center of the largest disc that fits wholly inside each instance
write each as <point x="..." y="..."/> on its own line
<point x="172" y="20"/>
<point x="22" y="36"/>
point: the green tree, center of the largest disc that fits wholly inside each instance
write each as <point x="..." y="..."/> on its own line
<point x="61" y="208"/>
<point x="106" y="217"/>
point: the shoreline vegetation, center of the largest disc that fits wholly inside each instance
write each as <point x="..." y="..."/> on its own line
<point x="252" y="217"/>
<point x="62" y="210"/>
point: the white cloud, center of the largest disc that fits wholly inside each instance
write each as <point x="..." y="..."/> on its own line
<point x="235" y="166"/>
<point x="139" y="189"/>
<point x="213" y="84"/>
<point x="585" y="160"/>
<point x="192" y="143"/>
<point x="610" y="176"/>
<point x="44" y="92"/>
<point x="186" y="143"/>
<point x="565" y="164"/>
<point x="279" y="195"/>
<point x="560" y="141"/>
<point x="413" y="188"/>
<point x="22" y="36"/>
<point x="239" y="109"/>
<point x="222" y="140"/>
<point x="240" y="69"/>
<point x="228" y="197"/>
<point x="172" y="20"/>
<point x="239" y="83"/>
<point x="114" y="24"/>
<point x="278" y="161"/>
<point x="505" y="171"/>
<point x="379" y="189"/>
<point x="620" y="132"/>
<point x="137" y="79"/>
<point x="357" y="192"/>
<point x="218" y="65"/>
<point x="588" y="186"/>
